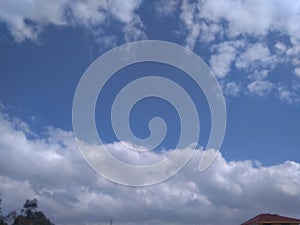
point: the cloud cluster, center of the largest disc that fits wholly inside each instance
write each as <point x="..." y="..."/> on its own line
<point x="26" y="19"/>
<point x="239" y="32"/>
<point x="254" y="18"/>
<point x="51" y="169"/>
<point x="251" y="37"/>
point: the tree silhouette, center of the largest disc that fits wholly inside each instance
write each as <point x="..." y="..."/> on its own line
<point x="29" y="208"/>
<point x="2" y="218"/>
<point x="29" y="215"/>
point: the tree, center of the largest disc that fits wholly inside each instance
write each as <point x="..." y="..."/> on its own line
<point x="0" y="206"/>
<point x="30" y="208"/>
<point x="2" y="219"/>
<point x="10" y="218"/>
<point x="31" y="215"/>
<point x="2" y="222"/>
<point x="41" y="219"/>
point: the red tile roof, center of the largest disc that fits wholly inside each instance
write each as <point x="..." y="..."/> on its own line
<point x="271" y="218"/>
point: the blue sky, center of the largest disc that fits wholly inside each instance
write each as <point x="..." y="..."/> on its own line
<point x="253" y="48"/>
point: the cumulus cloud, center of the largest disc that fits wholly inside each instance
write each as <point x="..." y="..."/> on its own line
<point x="27" y="19"/>
<point x="293" y="52"/>
<point x="210" y="31"/>
<point x="297" y="71"/>
<point x="223" y="58"/>
<point x="250" y="22"/>
<point x="51" y="169"/>
<point x="124" y="10"/>
<point x="89" y="12"/>
<point x="288" y="95"/>
<point x="166" y="8"/>
<point x="189" y="18"/>
<point x="243" y="16"/>
<point x="196" y="28"/>
<point x="260" y="88"/>
<point x="232" y="89"/>
<point x="281" y="46"/>
<point x="236" y="33"/>
<point x="256" y="56"/>
<point x="259" y="74"/>
<point x="221" y="62"/>
<point x="133" y="31"/>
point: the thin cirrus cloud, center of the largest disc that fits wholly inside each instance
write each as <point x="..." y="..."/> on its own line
<point x="51" y="169"/>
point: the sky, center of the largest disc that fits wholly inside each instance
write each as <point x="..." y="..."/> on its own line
<point x="252" y="47"/>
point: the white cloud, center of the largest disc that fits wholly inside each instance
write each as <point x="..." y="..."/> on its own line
<point x="108" y="41"/>
<point x="287" y="95"/>
<point x="166" y="8"/>
<point x="88" y="12"/>
<point x="210" y="31"/>
<point x="232" y="89"/>
<point x="229" y="24"/>
<point x="133" y="31"/>
<point x="256" y="17"/>
<point x="222" y="60"/>
<point x="291" y="55"/>
<point x="27" y="19"/>
<point x="188" y="16"/>
<point x="280" y="46"/>
<point x="259" y="74"/>
<point x="16" y="14"/>
<point x="260" y="87"/>
<point x="240" y="17"/>
<point x="250" y="22"/>
<point x="2" y="107"/>
<point x="294" y="51"/>
<point x="52" y="170"/>
<point x="196" y="28"/>
<point x="220" y="63"/>
<point x="124" y="10"/>
<point x="297" y="71"/>
<point x="256" y="55"/>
